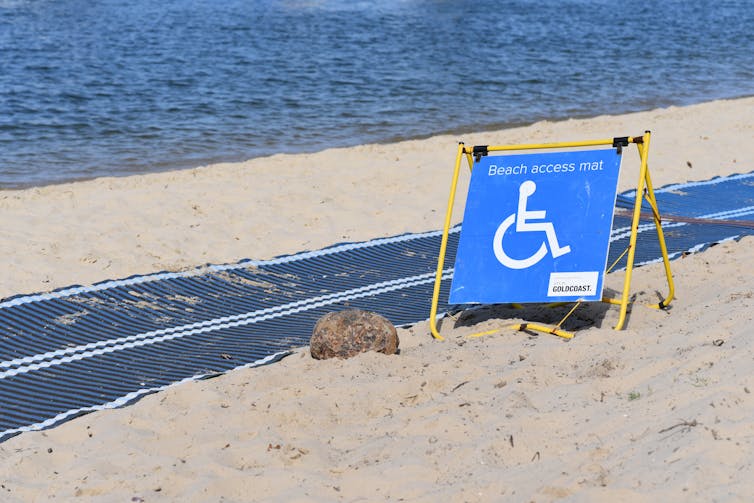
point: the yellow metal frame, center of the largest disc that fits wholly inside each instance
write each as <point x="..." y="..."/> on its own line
<point x="644" y="191"/>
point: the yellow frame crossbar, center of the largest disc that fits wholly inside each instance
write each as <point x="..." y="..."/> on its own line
<point x="644" y="191"/>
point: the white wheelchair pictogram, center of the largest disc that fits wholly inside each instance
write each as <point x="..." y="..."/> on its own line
<point x="523" y="218"/>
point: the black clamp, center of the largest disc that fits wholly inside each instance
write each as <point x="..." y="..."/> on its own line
<point x="479" y="152"/>
<point x="620" y="142"/>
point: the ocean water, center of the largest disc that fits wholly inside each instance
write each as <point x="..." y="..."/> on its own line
<point x="115" y="87"/>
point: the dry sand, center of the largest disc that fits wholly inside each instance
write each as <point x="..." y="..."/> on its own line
<point x="661" y="410"/>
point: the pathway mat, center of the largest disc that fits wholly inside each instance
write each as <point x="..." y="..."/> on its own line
<point x="85" y="348"/>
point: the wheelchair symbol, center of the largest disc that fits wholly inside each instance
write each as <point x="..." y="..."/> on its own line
<point x="522" y="219"/>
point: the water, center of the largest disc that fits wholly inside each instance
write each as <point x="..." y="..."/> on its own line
<point x="118" y="87"/>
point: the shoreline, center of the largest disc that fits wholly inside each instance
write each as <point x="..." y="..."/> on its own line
<point x="457" y="132"/>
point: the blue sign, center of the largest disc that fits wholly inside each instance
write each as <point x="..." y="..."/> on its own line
<point x="536" y="228"/>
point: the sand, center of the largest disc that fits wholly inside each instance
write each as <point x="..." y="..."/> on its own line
<point x="661" y="410"/>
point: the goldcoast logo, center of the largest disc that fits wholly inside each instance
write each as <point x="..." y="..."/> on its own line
<point x="568" y="289"/>
<point x="568" y="284"/>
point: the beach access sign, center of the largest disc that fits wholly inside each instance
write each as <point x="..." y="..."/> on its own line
<point x="536" y="227"/>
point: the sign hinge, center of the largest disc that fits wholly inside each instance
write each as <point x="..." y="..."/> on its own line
<point x="479" y="152"/>
<point x="620" y="142"/>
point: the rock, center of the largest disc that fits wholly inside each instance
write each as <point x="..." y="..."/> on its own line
<point x="347" y="333"/>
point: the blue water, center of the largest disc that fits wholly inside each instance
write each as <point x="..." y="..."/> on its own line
<point x="115" y="87"/>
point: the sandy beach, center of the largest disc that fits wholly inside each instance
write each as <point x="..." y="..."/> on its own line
<point x="661" y="410"/>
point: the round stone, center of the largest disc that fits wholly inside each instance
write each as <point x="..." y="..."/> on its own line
<point x="347" y="333"/>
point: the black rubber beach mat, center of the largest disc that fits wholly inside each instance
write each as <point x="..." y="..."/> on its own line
<point x="79" y="349"/>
